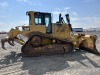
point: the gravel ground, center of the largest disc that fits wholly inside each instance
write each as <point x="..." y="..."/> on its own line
<point x="75" y="63"/>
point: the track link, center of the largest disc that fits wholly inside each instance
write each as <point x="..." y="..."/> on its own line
<point x="33" y="46"/>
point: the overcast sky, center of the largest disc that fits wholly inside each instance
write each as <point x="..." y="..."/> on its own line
<point x="83" y="13"/>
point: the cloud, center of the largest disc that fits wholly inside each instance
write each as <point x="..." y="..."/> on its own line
<point x="96" y="21"/>
<point x="32" y="3"/>
<point x="3" y="4"/>
<point x="76" y="20"/>
<point x="58" y="9"/>
<point x="63" y="11"/>
<point x="2" y="24"/>
<point x="86" y="18"/>
<point x="74" y="13"/>
<point x="37" y="4"/>
<point x="67" y="8"/>
<point x="56" y="12"/>
<point x="6" y="26"/>
<point x="85" y="22"/>
<point x="24" y="0"/>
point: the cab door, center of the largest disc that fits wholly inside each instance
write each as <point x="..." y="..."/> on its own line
<point x="48" y="24"/>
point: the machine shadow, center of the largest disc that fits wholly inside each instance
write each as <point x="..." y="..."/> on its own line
<point x="45" y="64"/>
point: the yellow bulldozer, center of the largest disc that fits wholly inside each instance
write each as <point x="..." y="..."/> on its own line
<point x="45" y="37"/>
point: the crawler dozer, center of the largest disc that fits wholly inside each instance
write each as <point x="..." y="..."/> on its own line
<point x="45" y="37"/>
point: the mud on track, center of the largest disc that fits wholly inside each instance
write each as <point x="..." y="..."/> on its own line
<point x="75" y="63"/>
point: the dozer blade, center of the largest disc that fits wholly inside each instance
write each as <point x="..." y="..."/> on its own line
<point x="88" y="43"/>
<point x="85" y="42"/>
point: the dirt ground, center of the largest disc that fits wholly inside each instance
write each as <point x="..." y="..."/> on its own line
<point x="75" y="63"/>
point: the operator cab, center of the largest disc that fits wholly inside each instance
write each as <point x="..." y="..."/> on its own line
<point x="41" y="18"/>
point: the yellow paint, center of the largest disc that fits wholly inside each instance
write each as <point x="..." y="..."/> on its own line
<point x="58" y="31"/>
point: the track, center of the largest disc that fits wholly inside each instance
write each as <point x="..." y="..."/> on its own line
<point x="34" y="46"/>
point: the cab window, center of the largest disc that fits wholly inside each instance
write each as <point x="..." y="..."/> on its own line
<point x="38" y="21"/>
<point x="43" y="19"/>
